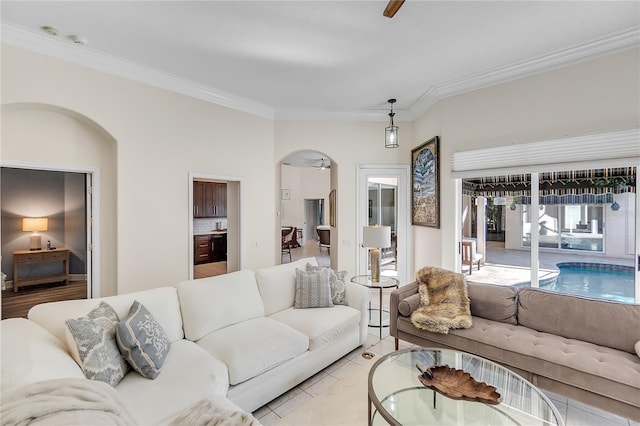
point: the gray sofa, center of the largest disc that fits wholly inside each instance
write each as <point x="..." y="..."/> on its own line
<point x="578" y="347"/>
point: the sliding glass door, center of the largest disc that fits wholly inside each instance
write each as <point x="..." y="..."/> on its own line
<point x="574" y="231"/>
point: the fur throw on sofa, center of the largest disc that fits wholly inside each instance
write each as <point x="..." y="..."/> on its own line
<point x="444" y="302"/>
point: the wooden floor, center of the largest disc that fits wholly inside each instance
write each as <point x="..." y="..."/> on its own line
<point x="209" y="269"/>
<point x="15" y="305"/>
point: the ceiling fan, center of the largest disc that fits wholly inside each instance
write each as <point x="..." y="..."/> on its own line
<point x="313" y="161"/>
<point x="392" y="8"/>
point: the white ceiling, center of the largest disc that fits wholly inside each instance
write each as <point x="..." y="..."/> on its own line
<point x="323" y="59"/>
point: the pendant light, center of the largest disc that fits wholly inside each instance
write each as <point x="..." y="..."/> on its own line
<point x="391" y="131"/>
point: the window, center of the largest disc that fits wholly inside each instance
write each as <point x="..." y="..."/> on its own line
<point x="566" y="227"/>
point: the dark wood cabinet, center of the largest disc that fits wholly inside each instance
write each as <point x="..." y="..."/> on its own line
<point x="202" y="249"/>
<point x="219" y="247"/>
<point x="209" y="248"/>
<point x="198" y="199"/>
<point x="209" y="199"/>
<point x="220" y="200"/>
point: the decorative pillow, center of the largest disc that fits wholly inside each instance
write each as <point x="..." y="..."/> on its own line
<point x="142" y="341"/>
<point x="336" y="282"/>
<point x="93" y="339"/>
<point x="312" y="289"/>
<point x="637" y="347"/>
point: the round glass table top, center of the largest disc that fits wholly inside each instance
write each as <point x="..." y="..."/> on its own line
<point x="400" y="399"/>
<point x="385" y="282"/>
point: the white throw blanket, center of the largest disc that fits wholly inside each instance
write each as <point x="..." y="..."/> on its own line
<point x="81" y="402"/>
<point x="204" y="413"/>
<point x="64" y="402"/>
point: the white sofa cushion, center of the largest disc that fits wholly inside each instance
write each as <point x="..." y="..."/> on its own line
<point x="252" y="347"/>
<point x="31" y="354"/>
<point x="321" y="325"/>
<point x="161" y="302"/>
<point x="209" y="304"/>
<point x="277" y="284"/>
<point x="188" y="375"/>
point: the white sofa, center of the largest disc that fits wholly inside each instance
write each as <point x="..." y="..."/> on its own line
<point x="235" y="339"/>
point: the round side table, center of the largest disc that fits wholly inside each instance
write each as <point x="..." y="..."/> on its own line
<point x="385" y="282"/>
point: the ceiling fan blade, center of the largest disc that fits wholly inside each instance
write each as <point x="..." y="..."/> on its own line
<point x="392" y="8"/>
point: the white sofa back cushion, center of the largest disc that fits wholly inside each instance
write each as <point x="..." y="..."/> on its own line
<point x="31" y="354"/>
<point x="277" y="284"/>
<point x="161" y="302"/>
<point x="209" y="304"/>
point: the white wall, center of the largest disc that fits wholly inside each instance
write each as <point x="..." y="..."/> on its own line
<point x="159" y="138"/>
<point x="304" y="183"/>
<point x="596" y="96"/>
<point x="620" y="226"/>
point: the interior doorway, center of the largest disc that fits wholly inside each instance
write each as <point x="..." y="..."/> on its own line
<point x="63" y="200"/>
<point x="313" y="216"/>
<point x="383" y="199"/>
<point x="215" y="225"/>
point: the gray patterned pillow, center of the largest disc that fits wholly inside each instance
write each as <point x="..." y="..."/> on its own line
<point x="337" y="283"/>
<point x="312" y="289"/>
<point x="142" y="341"/>
<point x="94" y="336"/>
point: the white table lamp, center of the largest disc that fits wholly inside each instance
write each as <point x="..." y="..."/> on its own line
<point x="35" y="225"/>
<point x="376" y="237"/>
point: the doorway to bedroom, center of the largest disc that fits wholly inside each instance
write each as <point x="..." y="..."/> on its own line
<point x="54" y="262"/>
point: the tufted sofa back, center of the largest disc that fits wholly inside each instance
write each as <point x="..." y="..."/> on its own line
<point x="600" y="322"/>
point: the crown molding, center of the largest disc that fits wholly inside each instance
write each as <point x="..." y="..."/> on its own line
<point x="81" y="55"/>
<point x="338" y="115"/>
<point x="612" y="43"/>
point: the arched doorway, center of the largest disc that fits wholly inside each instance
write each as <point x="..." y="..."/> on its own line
<point x="306" y="183"/>
<point x="84" y="150"/>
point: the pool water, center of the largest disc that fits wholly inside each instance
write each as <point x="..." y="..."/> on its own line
<point x="610" y="282"/>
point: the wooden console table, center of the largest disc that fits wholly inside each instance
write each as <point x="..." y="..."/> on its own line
<point x="26" y="257"/>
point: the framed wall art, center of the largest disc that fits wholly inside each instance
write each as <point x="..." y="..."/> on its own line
<point x="425" y="184"/>
<point x="332" y="208"/>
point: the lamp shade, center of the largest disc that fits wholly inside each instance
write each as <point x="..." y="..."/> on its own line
<point x="35" y="224"/>
<point x="376" y="236"/>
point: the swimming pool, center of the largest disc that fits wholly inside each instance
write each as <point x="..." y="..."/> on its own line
<point x="596" y="280"/>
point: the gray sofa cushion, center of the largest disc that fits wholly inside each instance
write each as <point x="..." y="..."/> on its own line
<point x="610" y="324"/>
<point x="494" y="302"/>
<point x="408" y="305"/>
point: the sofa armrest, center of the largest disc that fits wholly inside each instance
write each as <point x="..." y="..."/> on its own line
<point x="358" y="297"/>
<point x="31" y="354"/>
<point x="396" y="296"/>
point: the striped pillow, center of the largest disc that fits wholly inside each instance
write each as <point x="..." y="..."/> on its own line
<point x="312" y="289"/>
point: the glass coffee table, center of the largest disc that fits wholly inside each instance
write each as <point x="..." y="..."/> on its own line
<point x="399" y="398"/>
